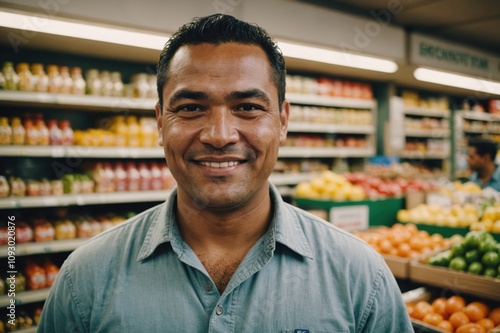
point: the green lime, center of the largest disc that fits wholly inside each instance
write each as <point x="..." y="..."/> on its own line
<point x="491" y="272"/>
<point x="475" y="268"/>
<point x="491" y="259"/>
<point x="471" y="256"/>
<point x="458" y="249"/>
<point x="458" y="264"/>
<point x="440" y="259"/>
<point x="472" y="239"/>
<point x="487" y="245"/>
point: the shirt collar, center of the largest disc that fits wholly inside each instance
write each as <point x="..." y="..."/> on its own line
<point x="285" y="228"/>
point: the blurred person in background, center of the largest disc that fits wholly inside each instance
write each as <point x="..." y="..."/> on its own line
<point x="481" y="155"/>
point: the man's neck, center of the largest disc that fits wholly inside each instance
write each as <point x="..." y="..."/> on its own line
<point x="486" y="172"/>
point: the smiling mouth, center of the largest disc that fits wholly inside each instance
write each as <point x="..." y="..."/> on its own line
<point x="220" y="164"/>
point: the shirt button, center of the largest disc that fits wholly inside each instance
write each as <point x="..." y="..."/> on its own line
<point x="208" y="287"/>
<point x="218" y="310"/>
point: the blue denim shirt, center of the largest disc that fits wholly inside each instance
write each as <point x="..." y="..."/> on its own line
<point x="303" y="275"/>
<point x="494" y="181"/>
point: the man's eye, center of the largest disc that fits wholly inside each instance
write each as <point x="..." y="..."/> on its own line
<point x="248" y="108"/>
<point x="189" y="108"/>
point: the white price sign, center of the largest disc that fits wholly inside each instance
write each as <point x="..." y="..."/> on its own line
<point x="438" y="199"/>
<point x="350" y="218"/>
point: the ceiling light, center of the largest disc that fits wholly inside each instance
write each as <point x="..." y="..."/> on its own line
<point x="32" y="22"/>
<point x="456" y="80"/>
<point x="329" y="56"/>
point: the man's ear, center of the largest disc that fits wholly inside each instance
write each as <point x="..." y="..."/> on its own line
<point x="284" y="115"/>
<point x="159" y="123"/>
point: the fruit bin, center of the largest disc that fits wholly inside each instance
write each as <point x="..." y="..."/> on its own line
<point x="481" y="286"/>
<point x="445" y="302"/>
<point x="381" y="212"/>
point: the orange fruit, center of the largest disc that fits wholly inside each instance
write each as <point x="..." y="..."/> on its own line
<point x="404" y="250"/>
<point x="421" y="309"/>
<point x="432" y="318"/>
<point x="495" y="316"/>
<point x="454" y="304"/>
<point x="410" y="308"/>
<point x="458" y="319"/>
<point x="470" y="328"/>
<point x="385" y="246"/>
<point x="439" y="306"/>
<point x="486" y="323"/>
<point x="475" y="312"/>
<point x="445" y="325"/>
<point x="411" y="228"/>
<point x="483" y="306"/>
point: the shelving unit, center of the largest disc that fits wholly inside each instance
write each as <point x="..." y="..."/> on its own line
<point x="56" y="246"/>
<point x="26" y="297"/>
<point x="419" y="135"/>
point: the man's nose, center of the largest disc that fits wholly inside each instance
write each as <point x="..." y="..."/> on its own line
<point x="220" y="128"/>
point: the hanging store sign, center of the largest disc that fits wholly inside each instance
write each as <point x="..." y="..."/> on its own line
<point x="438" y="54"/>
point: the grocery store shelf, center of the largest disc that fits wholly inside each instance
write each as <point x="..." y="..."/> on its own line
<point x="24" y="249"/>
<point x="291" y="178"/>
<point x="82" y="199"/>
<point x="28" y="330"/>
<point x="426" y="112"/>
<point x="474" y="115"/>
<point x="306" y="152"/>
<point x="26" y="297"/>
<point x="427" y="133"/>
<point x="424" y="155"/>
<point x="330" y="128"/>
<point x="80" y="101"/>
<point x="330" y="101"/>
<point x="82" y="151"/>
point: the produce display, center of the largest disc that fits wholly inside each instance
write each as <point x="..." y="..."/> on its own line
<point x="455" y="314"/>
<point x="478" y="253"/>
<point x="454" y="216"/>
<point x="404" y="241"/>
<point x="356" y="186"/>
<point x="312" y="140"/>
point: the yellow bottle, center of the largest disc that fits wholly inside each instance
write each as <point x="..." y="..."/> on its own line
<point x="120" y="129"/>
<point x="133" y="139"/>
<point x="5" y="131"/>
<point x="18" y="132"/>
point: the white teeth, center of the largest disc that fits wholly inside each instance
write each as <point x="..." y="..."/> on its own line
<point x="220" y="164"/>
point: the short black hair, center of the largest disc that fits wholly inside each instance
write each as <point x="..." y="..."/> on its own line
<point x="484" y="146"/>
<point x="217" y="29"/>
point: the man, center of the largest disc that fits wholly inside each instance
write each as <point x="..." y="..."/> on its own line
<point x="481" y="155"/>
<point x="224" y="253"/>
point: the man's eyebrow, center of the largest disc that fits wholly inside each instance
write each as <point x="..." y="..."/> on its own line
<point x="187" y="94"/>
<point x="252" y="93"/>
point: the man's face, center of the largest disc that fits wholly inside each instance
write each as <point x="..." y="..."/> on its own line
<point x="474" y="160"/>
<point x="220" y="125"/>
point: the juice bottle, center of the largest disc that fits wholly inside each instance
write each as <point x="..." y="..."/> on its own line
<point x="5" y="131"/>
<point x="79" y="85"/>
<point x="18" y="132"/>
<point x="10" y="77"/>
<point x="26" y="82"/>
<point x="116" y="79"/>
<point x="35" y="276"/>
<point x="41" y="80"/>
<point x="147" y="135"/>
<point x="109" y="175"/>
<point x="156" y="177"/>
<point x="120" y="177"/>
<point x="55" y="80"/>
<point x="145" y="177"/>
<point x="133" y="132"/>
<point x="106" y="84"/>
<point x="55" y="133"/>
<point x="93" y="83"/>
<point x="121" y="131"/>
<point x="66" y="80"/>
<point x="133" y="177"/>
<point x="43" y="132"/>
<point x="67" y="133"/>
<point x="31" y="133"/>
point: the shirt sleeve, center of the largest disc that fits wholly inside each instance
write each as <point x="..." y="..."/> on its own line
<point x="61" y="313"/>
<point x="386" y="310"/>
